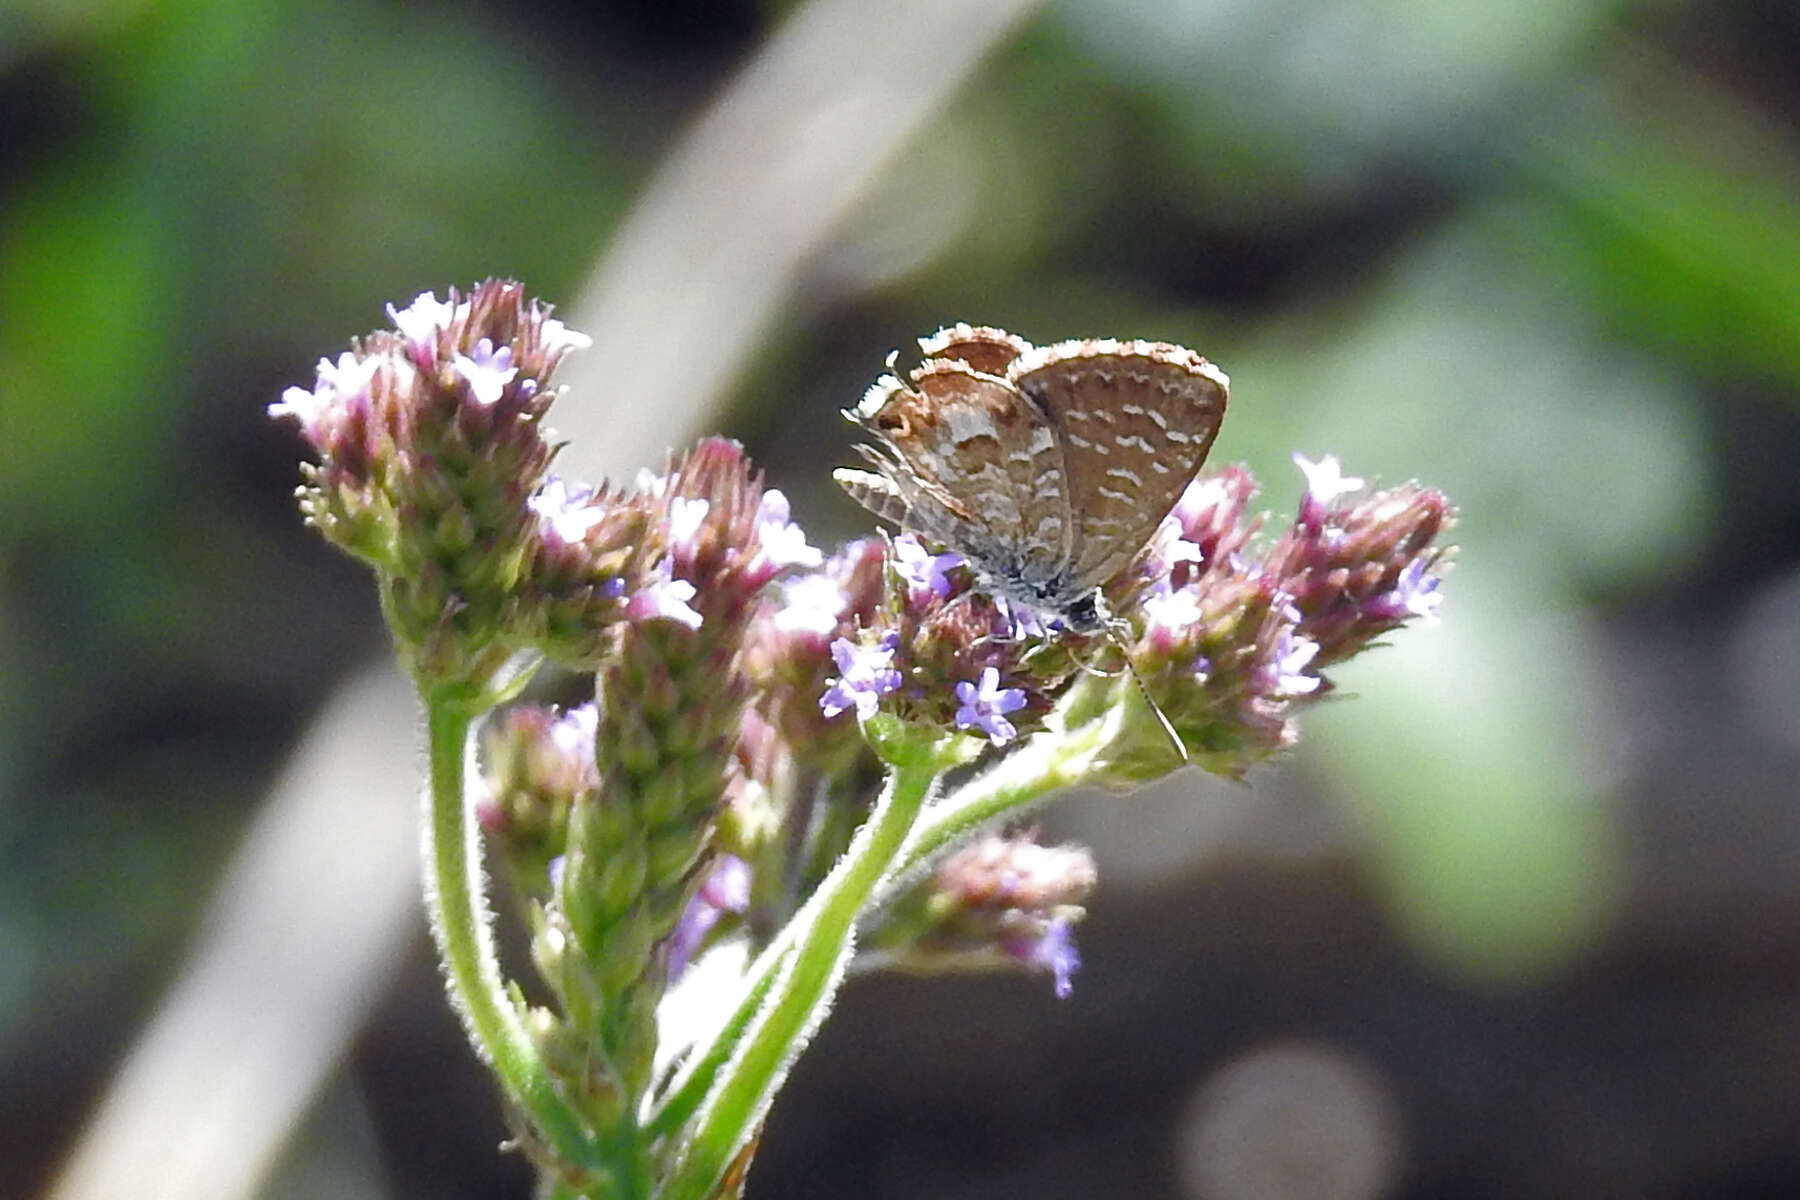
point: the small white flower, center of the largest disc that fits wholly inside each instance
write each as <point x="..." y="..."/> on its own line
<point x="783" y="542"/>
<point x="685" y="517"/>
<point x="574" y="730"/>
<point x="1181" y="550"/>
<point x="342" y="383"/>
<point x="423" y="319"/>
<point x="669" y="599"/>
<point x="1325" y="479"/>
<point x="572" y="734"/>
<point x="812" y="604"/>
<point x="1202" y="495"/>
<point x="569" y="512"/>
<point x="303" y="405"/>
<point x="1174" y="609"/>
<point x="557" y="337"/>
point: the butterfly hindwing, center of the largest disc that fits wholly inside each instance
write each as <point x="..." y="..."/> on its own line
<point x="1137" y="420"/>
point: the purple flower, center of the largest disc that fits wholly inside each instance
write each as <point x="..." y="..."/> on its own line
<point x="666" y="597"/>
<point x="568" y="513"/>
<point x="866" y="674"/>
<point x="985" y="706"/>
<point x="1292" y="654"/>
<point x="572" y="734"/>
<point x="811" y="604"/>
<point x="1415" y="594"/>
<point x="487" y="371"/>
<point x="727" y="889"/>
<point x="926" y="574"/>
<point x="1053" y="951"/>
<point x="783" y="542"/>
<point x="1022" y="620"/>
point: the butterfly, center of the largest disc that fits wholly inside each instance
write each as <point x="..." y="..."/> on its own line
<point x="1048" y="468"/>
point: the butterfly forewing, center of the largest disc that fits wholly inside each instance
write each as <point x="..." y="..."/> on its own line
<point x="1137" y="420"/>
<point x="976" y="448"/>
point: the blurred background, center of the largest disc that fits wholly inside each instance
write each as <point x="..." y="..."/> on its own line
<point x="1521" y="918"/>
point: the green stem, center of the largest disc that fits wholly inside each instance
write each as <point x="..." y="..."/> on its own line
<point x="697" y="1077"/>
<point x="1029" y="775"/>
<point x="803" y="989"/>
<point x="460" y="924"/>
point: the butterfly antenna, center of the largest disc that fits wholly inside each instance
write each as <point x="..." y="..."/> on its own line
<point x="1112" y="625"/>
<point x="1162" y="718"/>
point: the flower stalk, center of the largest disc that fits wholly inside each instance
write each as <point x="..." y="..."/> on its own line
<point x="461" y="928"/>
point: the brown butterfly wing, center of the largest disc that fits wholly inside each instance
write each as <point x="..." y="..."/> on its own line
<point x="1136" y="420"/>
<point x="978" y="463"/>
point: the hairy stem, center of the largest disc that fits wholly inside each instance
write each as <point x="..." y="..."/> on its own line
<point x="803" y="989"/>
<point x="1029" y="775"/>
<point x="460" y="925"/>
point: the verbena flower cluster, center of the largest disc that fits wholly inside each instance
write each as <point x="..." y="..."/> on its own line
<point x="751" y="693"/>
